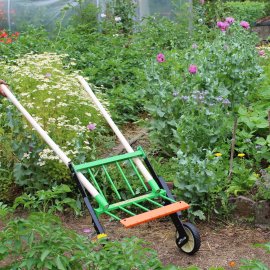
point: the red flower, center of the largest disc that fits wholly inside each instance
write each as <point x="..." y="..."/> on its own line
<point x="4" y="35"/>
<point x="9" y="40"/>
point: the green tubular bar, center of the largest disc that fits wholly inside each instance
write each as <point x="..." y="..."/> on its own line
<point x="103" y="206"/>
<point x="138" y="199"/>
<point x="112" y="215"/>
<point x="109" y="160"/>
<point x="137" y="173"/>
<point x="125" y="178"/>
<point x="95" y="181"/>
<point x="154" y="202"/>
<point x="111" y="182"/>
<point x="127" y="211"/>
<point x="142" y="207"/>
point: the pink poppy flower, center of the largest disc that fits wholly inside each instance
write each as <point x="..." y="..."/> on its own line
<point x="245" y="24"/>
<point x="223" y="26"/>
<point x="219" y="24"/>
<point x="192" y="69"/>
<point x="229" y="20"/>
<point x="161" y="58"/>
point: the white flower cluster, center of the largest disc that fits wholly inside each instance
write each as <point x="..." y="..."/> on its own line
<point x="56" y="100"/>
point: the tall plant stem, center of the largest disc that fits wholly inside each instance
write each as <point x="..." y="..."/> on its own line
<point x="269" y="120"/>
<point x="232" y="147"/>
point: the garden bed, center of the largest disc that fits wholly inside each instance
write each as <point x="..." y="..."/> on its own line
<point x="222" y="242"/>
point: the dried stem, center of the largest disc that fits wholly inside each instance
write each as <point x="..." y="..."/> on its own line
<point x="232" y="147"/>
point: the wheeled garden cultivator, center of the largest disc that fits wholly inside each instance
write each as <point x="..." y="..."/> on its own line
<point x="138" y="195"/>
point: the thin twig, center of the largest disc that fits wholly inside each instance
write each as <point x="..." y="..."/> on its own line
<point x="209" y="246"/>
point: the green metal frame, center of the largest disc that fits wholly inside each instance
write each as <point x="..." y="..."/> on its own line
<point x="150" y="196"/>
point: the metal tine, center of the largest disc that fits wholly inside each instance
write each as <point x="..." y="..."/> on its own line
<point x="154" y="202"/>
<point x="95" y="181"/>
<point x="112" y="215"/>
<point x="125" y="178"/>
<point x="142" y="207"/>
<point x="167" y="198"/>
<point x="127" y="211"/>
<point x="137" y="173"/>
<point x="111" y="181"/>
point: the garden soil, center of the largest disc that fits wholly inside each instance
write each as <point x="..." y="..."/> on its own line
<point x="221" y="243"/>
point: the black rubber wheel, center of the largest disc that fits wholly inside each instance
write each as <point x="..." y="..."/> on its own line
<point x="194" y="240"/>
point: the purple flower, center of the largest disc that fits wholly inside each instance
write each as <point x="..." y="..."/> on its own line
<point x="200" y="97"/>
<point x="184" y="98"/>
<point x="48" y="75"/>
<point x="226" y="102"/>
<point x="87" y="230"/>
<point x="223" y="26"/>
<point x="161" y="58"/>
<point x="229" y="20"/>
<point x="192" y="69"/>
<point x="261" y="52"/>
<point x="244" y="24"/>
<point x="220" y="98"/>
<point x="194" y="46"/>
<point x="91" y="126"/>
<point x="175" y="93"/>
<point x="219" y="24"/>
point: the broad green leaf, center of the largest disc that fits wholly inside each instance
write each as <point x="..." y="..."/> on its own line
<point x="59" y="263"/>
<point x="44" y="254"/>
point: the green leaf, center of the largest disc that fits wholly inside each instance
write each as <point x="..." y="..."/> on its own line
<point x="59" y="263"/>
<point x="44" y="254"/>
<point x="199" y="214"/>
<point x="261" y="141"/>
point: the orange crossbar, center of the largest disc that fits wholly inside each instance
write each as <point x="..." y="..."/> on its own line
<point x="154" y="214"/>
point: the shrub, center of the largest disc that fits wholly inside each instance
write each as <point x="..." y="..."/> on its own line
<point x="247" y="11"/>
<point x="226" y="72"/>
<point x="193" y="100"/>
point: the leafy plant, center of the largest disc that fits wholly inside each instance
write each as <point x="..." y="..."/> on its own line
<point x="201" y="183"/>
<point x="253" y="265"/>
<point x="41" y="242"/>
<point x="52" y="200"/>
<point x="5" y="210"/>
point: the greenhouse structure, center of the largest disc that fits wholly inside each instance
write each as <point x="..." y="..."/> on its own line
<point x="15" y="14"/>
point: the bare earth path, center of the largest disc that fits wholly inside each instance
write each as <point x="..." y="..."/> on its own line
<point x="221" y="244"/>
